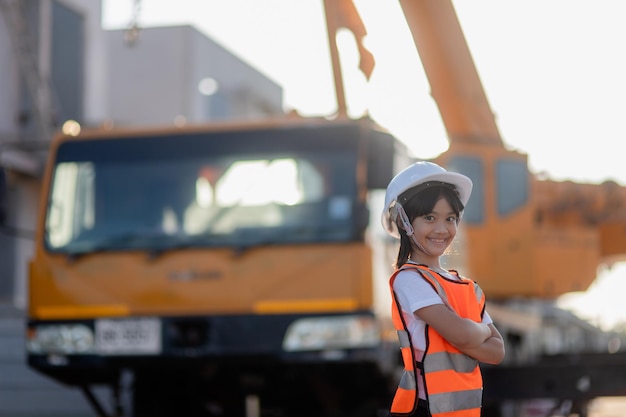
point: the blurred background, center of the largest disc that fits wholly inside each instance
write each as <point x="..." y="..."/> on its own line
<point x="551" y="72"/>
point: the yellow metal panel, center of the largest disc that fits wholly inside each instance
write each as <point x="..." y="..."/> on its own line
<point x="290" y="279"/>
<point x="80" y="312"/>
<point x="304" y="306"/>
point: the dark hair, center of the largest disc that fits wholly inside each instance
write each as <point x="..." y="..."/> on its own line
<point x="420" y="204"/>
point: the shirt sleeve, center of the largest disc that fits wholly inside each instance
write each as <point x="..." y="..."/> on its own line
<point x="487" y="318"/>
<point x="414" y="292"/>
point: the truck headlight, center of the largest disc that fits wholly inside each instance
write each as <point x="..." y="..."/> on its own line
<point x="333" y="332"/>
<point x="60" y="338"/>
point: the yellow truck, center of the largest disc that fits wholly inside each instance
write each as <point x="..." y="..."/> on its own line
<point x="225" y="269"/>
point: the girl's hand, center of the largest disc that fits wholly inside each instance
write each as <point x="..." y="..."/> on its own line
<point x="460" y="332"/>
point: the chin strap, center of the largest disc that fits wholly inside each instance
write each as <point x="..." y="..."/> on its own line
<point x="407" y="226"/>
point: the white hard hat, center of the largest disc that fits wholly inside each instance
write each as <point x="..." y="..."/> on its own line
<point x="414" y="175"/>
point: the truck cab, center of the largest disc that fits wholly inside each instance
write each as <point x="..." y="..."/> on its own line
<point x="229" y="257"/>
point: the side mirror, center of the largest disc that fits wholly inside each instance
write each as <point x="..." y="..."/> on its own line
<point x="385" y="155"/>
<point x="380" y="159"/>
<point x="4" y="205"/>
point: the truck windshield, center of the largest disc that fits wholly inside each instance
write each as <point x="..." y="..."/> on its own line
<point x="162" y="194"/>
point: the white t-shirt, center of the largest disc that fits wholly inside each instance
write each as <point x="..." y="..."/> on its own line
<point x="413" y="292"/>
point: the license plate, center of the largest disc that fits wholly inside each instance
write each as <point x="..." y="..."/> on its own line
<point x="128" y="336"/>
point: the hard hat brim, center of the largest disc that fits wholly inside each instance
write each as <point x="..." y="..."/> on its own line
<point x="462" y="184"/>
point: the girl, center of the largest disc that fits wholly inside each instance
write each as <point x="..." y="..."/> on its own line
<point x="440" y="316"/>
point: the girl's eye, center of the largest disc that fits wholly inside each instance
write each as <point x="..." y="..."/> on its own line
<point x="429" y="217"/>
<point x="452" y="219"/>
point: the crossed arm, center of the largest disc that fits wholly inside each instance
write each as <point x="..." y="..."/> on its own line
<point x="481" y="341"/>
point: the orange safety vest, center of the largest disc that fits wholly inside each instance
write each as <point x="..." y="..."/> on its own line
<point x="452" y="380"/>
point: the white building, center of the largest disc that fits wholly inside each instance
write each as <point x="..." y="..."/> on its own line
<point x="177" y="74"/>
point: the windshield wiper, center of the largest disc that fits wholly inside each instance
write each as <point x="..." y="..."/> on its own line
<point x="197" y="241"/>
<point x="284" y="235"/>
<point x="111" y="243"/>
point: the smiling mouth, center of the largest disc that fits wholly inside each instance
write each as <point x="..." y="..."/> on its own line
<point x="438" y="241"/>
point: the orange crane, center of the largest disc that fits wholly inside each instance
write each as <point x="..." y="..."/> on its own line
<point x="546" y="237"/>
<point x="525" y="238"/>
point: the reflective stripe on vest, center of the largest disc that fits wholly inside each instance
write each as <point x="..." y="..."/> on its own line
<point x="405" y="398"/>
<point x="452" y="380"/>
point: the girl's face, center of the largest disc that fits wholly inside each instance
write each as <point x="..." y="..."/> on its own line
<point x="436" y="230"/>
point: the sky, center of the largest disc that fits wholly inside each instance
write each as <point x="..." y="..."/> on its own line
<point x="553" y="72"/>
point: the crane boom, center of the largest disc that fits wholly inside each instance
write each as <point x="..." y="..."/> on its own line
<point x="454" y="81"/>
